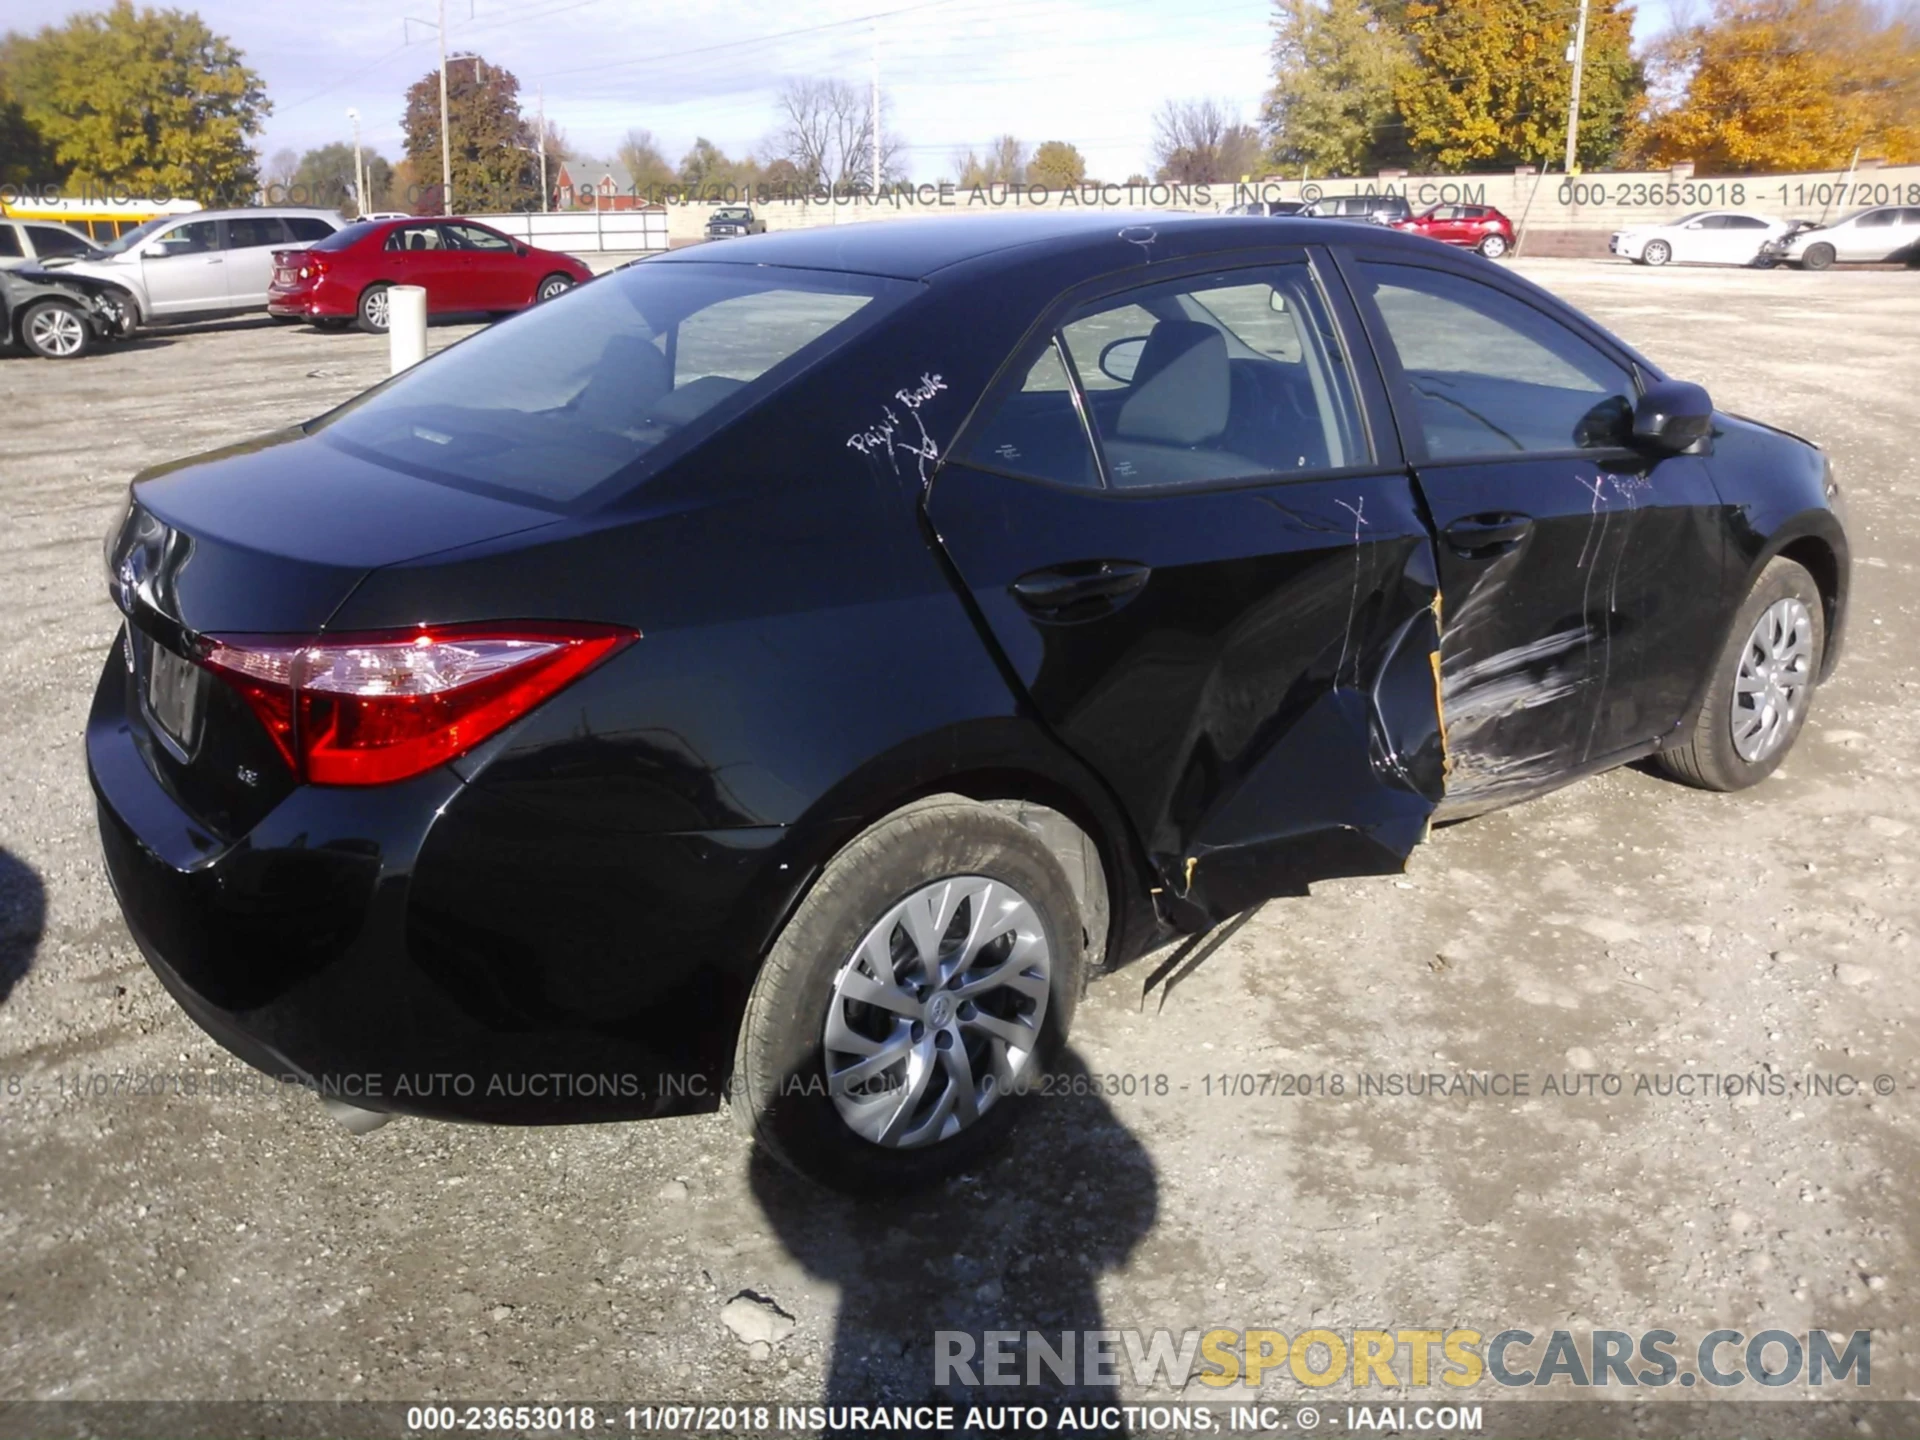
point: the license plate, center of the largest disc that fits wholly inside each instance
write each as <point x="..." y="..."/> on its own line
<point x="173" y="697"/>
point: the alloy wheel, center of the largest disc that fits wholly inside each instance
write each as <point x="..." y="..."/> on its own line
<point x="378" y="309"/>
<point x="1493" y="247"/>
<point x="1776" y="669"/>
<point x="555" y="287"/>
<point x="938" y="1011"/>
<point x="56" y="331"/>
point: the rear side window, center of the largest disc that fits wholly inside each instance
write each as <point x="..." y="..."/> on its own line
<point x="306" y="228"/>
<point x="585" y="391"/>
<point x="415" y="237"/>
<point x="9" y="241"/>
<point x="1220" y="377"/>
<point x="345" y="239"/>
<point x="250" y="232"/>
<point x="1490" y="374"/>
<point x="1876" y="217"/>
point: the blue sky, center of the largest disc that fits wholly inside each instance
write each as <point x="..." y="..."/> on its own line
<point x="956" y="72"/>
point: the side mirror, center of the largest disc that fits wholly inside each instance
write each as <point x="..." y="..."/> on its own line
<point x="1120" y="358"/>
<point x="1672" y="417"/>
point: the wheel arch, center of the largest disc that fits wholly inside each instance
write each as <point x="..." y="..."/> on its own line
<point x="1006" y="763"/>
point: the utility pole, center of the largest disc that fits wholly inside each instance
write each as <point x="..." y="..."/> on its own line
<point x="446" y="140"/>
<point x="1578" y="56"/>
<point x="542" y="141"/>
<point x="876" y="112"/>
<point x="359" y="170"/>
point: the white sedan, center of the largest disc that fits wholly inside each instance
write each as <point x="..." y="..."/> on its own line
<point x="1707" y="237"/>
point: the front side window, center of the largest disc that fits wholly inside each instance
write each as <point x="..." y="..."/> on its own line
<point x="1876" y="218"/>
<point x="472" y="237"/>
<point x="1490" y="374"/>
<point x="580" y="392"/>
<point x="196" y="238"/>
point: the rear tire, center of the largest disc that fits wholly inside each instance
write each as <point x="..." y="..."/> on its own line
<point x="1763" y="685"/>
<point x="1658" y="252"/>
<point x="372" y="315"/>
<point x="795" y="1089"/>
<point x="56" y="330"/>
<point x="1818" y="257"/>
<point x="1494" y="246"/>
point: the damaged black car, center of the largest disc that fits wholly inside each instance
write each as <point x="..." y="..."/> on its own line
<point x="59" y="317"/>
<point x="778" y="676"/>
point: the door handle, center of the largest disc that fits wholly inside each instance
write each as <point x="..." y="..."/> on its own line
<point x="1108" y="583"/>
<point x="1481" y="537"/>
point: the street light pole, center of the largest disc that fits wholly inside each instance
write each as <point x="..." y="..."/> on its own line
<point x="541" y="141"/>
<point x="359" y="172"/>
<point x="1573" y="103"/>
<point x="876" y="112"/>
<point x="446" y="140"/>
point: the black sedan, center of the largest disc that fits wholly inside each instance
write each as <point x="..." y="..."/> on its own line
<point x="779" y="679"/>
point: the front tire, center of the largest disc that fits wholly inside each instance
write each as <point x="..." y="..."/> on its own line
<point x="374" y="313"/>
<point x="1818" y="257"/>
<point x="1658" y="252"/>
<point x="551" y="286"/>
<point x="1762" y="686"/>
<point x="56" y="330"/>
<point x="1494" y="246"/>
<point x="928" y="977"/>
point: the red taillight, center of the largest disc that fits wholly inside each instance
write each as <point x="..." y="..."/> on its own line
<point x="375" y="708"/>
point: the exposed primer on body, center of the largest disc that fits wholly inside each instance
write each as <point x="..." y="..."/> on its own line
<point x="1143" y="236"/>
<point x="1627" y="489"/>
<point x="893" y="438"/>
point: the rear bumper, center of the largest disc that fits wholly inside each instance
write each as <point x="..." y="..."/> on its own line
<point x="429" y="949"/>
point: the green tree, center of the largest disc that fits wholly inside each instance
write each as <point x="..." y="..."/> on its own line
<point x="645" y="162"/>
<point x="1490" y="83"/>
<point x="706" y="168"/>
<point x="149" y="100"/>
<point x="495" y="164"/>
<point x="1056" y="164"/>
<point x="325" y="177"/>
<point x="26" y="156"/>
<point x="1332" y="109"/>
<point x="1785" y="85"/>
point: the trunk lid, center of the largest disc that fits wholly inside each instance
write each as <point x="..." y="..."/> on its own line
<point x="286" y="267"/>
<point x="264" y="538"/>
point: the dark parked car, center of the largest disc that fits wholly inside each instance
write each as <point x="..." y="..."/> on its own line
<point x="731" y="220"/>
<point x="787" y="670"/>
<point x="465" y="268"/>
<point x="59" y="317"/>
<point x="1373" y="209"/>
<point x="1472" y="227"/>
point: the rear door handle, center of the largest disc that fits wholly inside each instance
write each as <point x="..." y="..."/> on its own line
<point x="1105" y="583"/>
<point x="1481" y="537"/>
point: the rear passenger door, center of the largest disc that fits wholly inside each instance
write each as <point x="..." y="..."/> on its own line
<point x="1573" y="568"/>
<point x="251" y="241"/>
<point x="1210" y="574"/>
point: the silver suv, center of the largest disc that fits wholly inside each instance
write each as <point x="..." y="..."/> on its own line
<point x="209" y="262"/>
<point x="1886" y="232"/>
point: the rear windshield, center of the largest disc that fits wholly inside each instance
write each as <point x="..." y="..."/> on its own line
<point x="342" y="239"/>
<point x="575" y="397"/>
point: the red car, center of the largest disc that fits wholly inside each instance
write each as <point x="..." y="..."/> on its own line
<point x="1477" y="227"/>
<point x="464" y="267"/>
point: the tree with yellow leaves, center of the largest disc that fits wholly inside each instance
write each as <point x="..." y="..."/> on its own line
<point x="1785" y="85"/>
<point x="1490" y="82"/>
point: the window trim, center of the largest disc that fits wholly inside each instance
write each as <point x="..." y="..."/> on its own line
<point x="1372" y="401"/>
<point x="1413" y="438"/>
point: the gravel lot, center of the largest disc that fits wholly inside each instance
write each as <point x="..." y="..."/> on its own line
<point x="243" y="1246"/>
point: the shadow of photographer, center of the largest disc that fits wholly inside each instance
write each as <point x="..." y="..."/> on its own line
<point x="1018" y="1247"/>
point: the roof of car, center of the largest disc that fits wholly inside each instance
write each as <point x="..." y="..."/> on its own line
<point x="917" y="248"/>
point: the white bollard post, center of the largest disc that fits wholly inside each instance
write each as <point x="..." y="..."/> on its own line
<point x="406" y="327"/>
